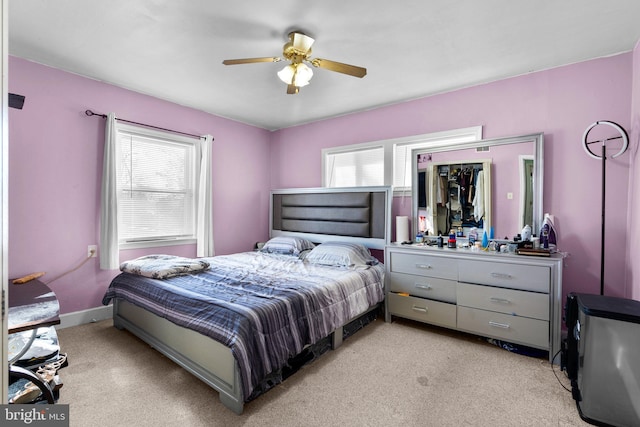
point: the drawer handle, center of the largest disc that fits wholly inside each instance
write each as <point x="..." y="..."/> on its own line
<point x="421" y="309"/>
<point x="423" y="266"/>
<point x="500" y="300"/>
<point x="425" y="287"/>
<point x="499" y="325"/>
<point x="501" y="275"/>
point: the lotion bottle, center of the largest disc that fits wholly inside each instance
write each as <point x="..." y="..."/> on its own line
<point x="473" y="236"/>
<point x="452" y="240"/>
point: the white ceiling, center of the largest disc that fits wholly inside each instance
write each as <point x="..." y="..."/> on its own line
<point x="411" y="48"/>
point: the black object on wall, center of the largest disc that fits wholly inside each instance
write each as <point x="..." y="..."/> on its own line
<point x="16" y="101"/>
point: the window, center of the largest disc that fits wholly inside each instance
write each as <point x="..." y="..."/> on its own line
<point x="156" y="186"/>
<point x="385" y="162"/>
<point x="355" y="168"/>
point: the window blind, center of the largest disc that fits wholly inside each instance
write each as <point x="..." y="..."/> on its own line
<point x="363" y="167"/>
<point x="156" y="188"/>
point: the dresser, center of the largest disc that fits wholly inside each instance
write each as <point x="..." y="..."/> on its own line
<point x="513" y="298"/>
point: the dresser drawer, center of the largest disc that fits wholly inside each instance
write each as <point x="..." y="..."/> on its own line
<point x="515" y="276"/>
<point x="424" y="310"/>
<point x="531" y="332"/>
<point x="425" y="287"/>
<point x="508" y="301"/>
<point x="424" y="265"/>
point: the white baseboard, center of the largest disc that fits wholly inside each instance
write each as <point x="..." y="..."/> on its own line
<point x="85" y="316"/>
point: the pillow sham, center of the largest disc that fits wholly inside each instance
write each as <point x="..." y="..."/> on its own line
<point x="287" y="245"/>
<point x="341" y="254"/>
<point x="163" y="266"/>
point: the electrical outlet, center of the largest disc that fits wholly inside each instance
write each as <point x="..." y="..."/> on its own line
<point x="92" y="251"/>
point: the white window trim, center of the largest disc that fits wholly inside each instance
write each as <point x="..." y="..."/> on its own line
<point x="428" y="140"/>
<point x="152" y="243"/>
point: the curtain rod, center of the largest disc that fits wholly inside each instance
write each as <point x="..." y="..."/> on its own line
<point x="104" y="116"/>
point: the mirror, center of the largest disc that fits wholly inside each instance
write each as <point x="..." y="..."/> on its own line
<point x="491" y="183"/>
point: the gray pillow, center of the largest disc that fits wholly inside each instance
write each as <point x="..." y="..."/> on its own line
<point x="341" y="254"/>
<point x="287" y="245"/>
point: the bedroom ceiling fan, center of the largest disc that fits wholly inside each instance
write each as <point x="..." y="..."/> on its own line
<point x="298" y="51"/>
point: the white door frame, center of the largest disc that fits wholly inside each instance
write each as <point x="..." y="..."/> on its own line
<point x="4" y="192"/>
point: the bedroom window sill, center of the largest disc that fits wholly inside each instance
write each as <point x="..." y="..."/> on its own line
<point x="156" y="243"/>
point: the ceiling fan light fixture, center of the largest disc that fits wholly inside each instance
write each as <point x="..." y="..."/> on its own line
<point x="286" y="74"/>
<point x="296" y="74"/>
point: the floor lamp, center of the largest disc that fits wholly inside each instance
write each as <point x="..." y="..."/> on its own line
<point x="620" y="134"/>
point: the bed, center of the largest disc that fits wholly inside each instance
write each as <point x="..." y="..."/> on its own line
<point x="238" y="322"/>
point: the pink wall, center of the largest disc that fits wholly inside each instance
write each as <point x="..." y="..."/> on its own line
<point x="55" y="166"/>
<point x="633" y="280"/>
<point x="561" y="102"/>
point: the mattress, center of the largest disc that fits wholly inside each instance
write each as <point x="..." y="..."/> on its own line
<point x="265" y="307"/>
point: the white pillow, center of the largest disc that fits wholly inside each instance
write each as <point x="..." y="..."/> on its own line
<point x="341" y="254"/>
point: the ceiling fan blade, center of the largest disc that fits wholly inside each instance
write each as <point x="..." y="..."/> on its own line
<point x="301" y="42"/>
<point x="292" y="89"/>
<point x="339" y="67"/>
<point x="250" y="60"/>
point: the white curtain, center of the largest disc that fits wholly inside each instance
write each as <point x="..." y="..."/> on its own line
<point x="204" y="224"/>
<point x="109" y="254"/>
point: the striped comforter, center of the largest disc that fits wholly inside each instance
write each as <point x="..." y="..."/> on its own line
<point x="264" y="307"/>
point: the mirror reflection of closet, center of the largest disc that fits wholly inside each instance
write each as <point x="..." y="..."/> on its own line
<point x="460" y="193"/>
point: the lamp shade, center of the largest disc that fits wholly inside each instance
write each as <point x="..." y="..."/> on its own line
<point x="296" y="74"/>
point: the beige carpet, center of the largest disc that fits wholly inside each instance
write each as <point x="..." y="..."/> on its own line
<point x="398" y="374"/>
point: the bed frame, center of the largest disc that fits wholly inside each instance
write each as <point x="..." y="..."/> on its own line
<point x="359" y="214"/>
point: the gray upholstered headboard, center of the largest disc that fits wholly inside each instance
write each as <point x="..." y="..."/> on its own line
<point x="355" y="214"/>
